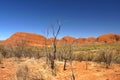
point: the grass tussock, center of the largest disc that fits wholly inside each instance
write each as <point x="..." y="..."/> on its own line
<point x="22" y="72"/>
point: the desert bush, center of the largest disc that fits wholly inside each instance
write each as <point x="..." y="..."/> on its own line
<point x="35" y="52"/>
<point x="65" y="53"/>
<point x="3" y="50"/>
<point x="97" y="57"/>
<point x="106" y="56"/>
<point x="84" y="56"/>
<point x="20" y="48"/>
<point x="10" y="54"/>
<point x="116" y="57"/>
<point x="89" y="56"/>
<point x="22" y="72"/>
<point x="79" y="56"/>
<point x="19" y="52"/>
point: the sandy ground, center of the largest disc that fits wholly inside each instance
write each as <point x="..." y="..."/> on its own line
<point x="39" y="70"/>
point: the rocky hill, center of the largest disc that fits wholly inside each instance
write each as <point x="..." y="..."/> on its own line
<point x="108" y="38"/>
<point x="24" y="38"/>
<point x="67" y="39"/>
<point x="31" y="39"/>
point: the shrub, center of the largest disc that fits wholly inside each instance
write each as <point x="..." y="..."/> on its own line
<point x="3" y="50"/>
<point x="85" y="56"/>
<point x="79" y="56"/>
<point x="106" y="57"/>
<point x="116" y="57"/>
<point x="97" y="57"/>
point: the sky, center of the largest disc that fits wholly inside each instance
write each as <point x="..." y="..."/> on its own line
<point x="78" y="18"/>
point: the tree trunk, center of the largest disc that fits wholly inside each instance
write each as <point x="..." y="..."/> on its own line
<point x="64" y="68"/>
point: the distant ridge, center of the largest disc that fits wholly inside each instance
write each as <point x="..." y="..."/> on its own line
<point x="33" y="39"/>
<point x="109" y="38"/>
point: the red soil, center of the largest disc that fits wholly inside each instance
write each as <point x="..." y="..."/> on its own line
<point x="38" y="68"/>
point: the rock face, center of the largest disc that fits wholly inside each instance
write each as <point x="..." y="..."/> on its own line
<point x="86" y="40"/>
<point x="67" y="39"/>
<point x="108" y="38"/>
<point x="91" y="39"/>
<point x="51" y="40"/>
<point x="81" y="40"/>
<point x="31" y="39"/>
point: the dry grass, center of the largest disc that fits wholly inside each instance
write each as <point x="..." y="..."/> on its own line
<point x="22" y="72"/>
<point x="1" y="58"/>
<point x="37" y="69"/>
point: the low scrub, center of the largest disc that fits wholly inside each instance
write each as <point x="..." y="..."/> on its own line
<point x="106" y="56"/>
<point x="116" y="57"/>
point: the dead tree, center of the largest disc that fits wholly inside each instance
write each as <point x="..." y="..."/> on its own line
<point x="55" y="39"/>
<point x="68" y="56"/>
<point x="52" y="56"/>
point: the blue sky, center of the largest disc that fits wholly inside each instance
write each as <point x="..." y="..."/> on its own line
<point x="79" y="18"/>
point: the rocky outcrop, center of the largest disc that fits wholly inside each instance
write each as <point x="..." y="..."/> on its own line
<point x="30" y="39"/>
<point x="67" y="39"/>
<point x="108" y="38"/>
